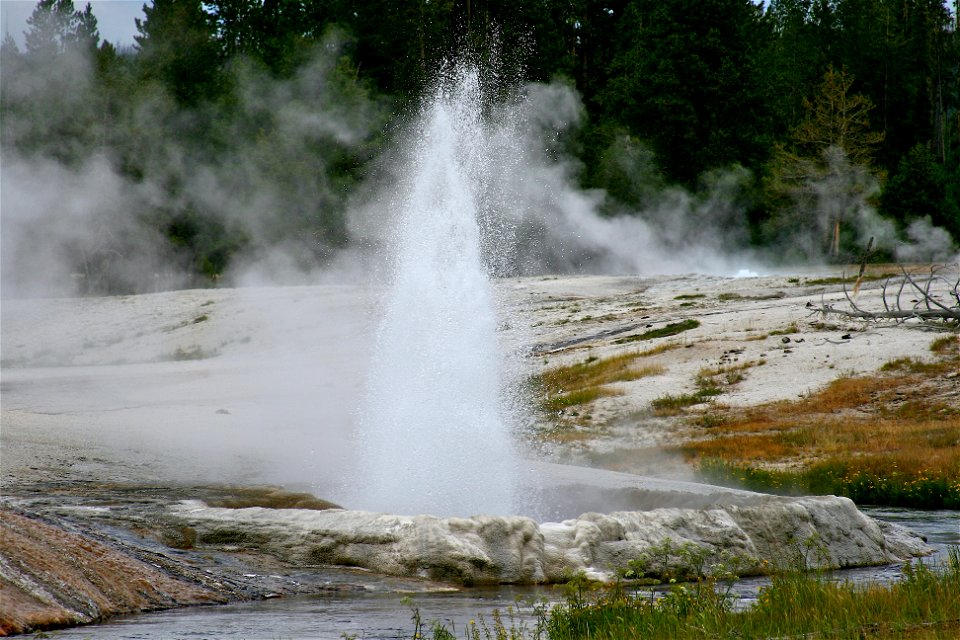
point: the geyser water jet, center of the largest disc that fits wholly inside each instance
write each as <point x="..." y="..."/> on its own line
<point x="435" y="434"/>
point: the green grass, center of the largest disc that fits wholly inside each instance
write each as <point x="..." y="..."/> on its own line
<point x="583" y="382"/>
<point x="887" y="439"/>
<point x="671" y="329"/>
<point x="723" y="297"/>
<point x="711" y="382"/>
<point x="670" y="404"/>
<point x="830" y="280"/>
<point x="938" y="489"/>
<point x="946" y="345"/>
<point x="911" y="365"/>
<point x="786" y="331"/>
<point x="796" y="604"/>
<point x="560" y="401"/>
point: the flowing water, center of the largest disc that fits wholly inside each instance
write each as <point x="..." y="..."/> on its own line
<point x="435" y="432"/>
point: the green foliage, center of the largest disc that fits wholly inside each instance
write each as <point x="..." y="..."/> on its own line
<point x="673" y="92"/>
<point x="178" y="48"/>
<point x="795" y="604"/>
<point x="887" y="487"/>
<point x="919" y="189"/>
<point x="57" y="28"/>
<point x="583" y="382"/>
<point x="671" y="404"/>
<point x="668" y="330"/>
<point x="684" y="77"/>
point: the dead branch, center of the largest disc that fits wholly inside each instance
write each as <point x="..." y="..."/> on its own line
<point x="926" y="308"/>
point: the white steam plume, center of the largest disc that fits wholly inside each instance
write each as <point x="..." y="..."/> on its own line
<point x="75" y="221"/>
<point x="837" y="197"/>
<point x="537" y="220"/>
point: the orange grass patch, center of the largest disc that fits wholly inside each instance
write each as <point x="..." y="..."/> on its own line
<point x="583" y="382"/>
<point x="905" y="418"/>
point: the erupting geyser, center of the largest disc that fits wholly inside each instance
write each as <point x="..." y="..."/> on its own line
<point x="435" y="432"/>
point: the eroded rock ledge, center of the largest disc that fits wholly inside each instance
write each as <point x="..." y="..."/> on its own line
<point x="73" y="555"/>
<point x="51" y="577"/>
<point x="514" y="549"/>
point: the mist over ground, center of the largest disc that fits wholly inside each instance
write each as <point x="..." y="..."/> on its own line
<point x="294" y="186"/>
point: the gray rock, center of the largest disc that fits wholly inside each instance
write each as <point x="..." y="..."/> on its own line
<point x="826" y="532"/>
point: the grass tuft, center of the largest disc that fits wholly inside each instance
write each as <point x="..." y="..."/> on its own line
<point x="863" y="483"/>
<point x="911" y="365"/>
<point x="584" y="382"/>
<point x="725" y="297"/>
<point x="947" y="345"/>
<point x="671" y="405"/>
<point x="831" y="280"/>
<point x="671" y="329"/>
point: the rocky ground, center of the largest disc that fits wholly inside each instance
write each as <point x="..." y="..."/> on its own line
<point x="115" y="410"/>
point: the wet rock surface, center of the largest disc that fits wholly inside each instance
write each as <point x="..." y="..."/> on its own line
<point x="78" y="554"/>
<point x="53" y="577"/>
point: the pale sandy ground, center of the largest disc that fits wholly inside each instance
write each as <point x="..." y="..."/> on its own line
<point x="115" y="408"/>
<point x="261" y="384"/>
<point x="580" y="318"/>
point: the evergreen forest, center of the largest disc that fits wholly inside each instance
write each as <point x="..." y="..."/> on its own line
<point x="250" y="129"/>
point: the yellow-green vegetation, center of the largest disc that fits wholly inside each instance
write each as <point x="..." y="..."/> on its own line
<point x="671" y="329"/>
<point x="910" y="365"/>
<point x="831" y="280"/>
<point x="946" y="345"/>
<point x="789" y="329"/>
<point x="657" y="350"/>
<point x="723" y="376"/>
<point x="724" y="297"/>
<point x="796" y="604"/>
<point x="584" y="382"/>
<point x="711" y="382"/>
<point x="891" y="438"/>
<point x="673" y="404"/>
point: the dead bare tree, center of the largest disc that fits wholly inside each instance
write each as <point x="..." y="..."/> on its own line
<point x="931" y="299"/>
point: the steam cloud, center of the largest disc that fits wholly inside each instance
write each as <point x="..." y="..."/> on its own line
<point x="537" y="220"/>
<point x="75" y="227"/>
<point x="74" y="223"/>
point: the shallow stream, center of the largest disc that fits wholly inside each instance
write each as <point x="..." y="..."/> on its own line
<point x="389" y="615"/>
